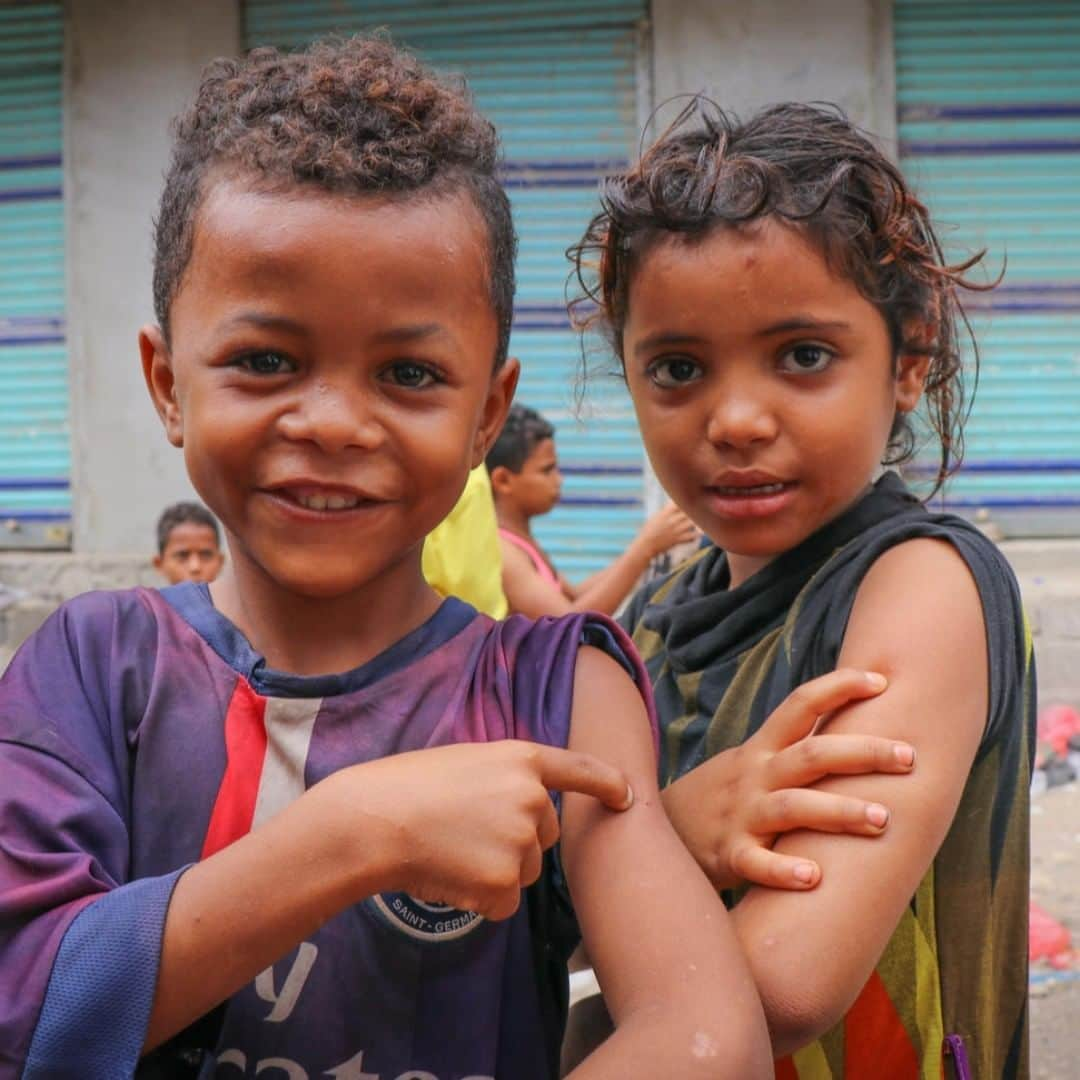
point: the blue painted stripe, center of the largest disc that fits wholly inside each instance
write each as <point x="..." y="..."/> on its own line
<point x="33" y="339"/>
<point x="1038" y="977"/>
<point x="30" y="194"/>
<point x="1047" y="111"/>
<point x="1031" y="466"/>
<point x="979" y="149"/>
<point x="34" y="515"/>
<point x="46" y="161"/>
<point x="600" y="470"/>
<point x="20" y="483"/>
<point x="581" y="500"/>
<point x="517" y="175"/>
<point x="1011" y="502"/>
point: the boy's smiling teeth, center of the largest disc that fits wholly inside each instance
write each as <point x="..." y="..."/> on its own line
<point x="328" y="502"/>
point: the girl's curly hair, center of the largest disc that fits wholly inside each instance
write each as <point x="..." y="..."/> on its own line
<point x="346" y="116"/>
<point x="810" y="167"/>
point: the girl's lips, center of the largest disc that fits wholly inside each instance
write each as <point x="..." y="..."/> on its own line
<point x="750" y="501"/>
<point x="321" y="507"/>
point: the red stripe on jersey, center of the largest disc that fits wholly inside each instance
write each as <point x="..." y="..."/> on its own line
<point x="876" y="1043"/>
<point x="245" y="748"/>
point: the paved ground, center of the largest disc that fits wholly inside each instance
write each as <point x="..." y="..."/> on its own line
<point x="1055" y="885"/>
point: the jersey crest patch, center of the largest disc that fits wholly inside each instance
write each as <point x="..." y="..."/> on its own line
<point x="423" y="921"/>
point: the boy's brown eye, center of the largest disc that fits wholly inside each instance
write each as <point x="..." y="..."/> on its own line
<point x="412" y="375"/>
<point x="265" y="363"/>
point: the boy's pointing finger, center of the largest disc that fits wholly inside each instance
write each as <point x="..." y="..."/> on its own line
<point x="568" y="770"/>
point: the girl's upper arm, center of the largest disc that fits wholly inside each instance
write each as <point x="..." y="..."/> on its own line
<point x="655" y="930"/>
<point x="918" y="620"/>
<point x="526" y="591"/>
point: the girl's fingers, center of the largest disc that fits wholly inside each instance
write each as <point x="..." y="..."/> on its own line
<point x="760" y="866"/>
<point x="820" y="811"/>
<point x="826" y="755"/>
<point x="797" y="714"/>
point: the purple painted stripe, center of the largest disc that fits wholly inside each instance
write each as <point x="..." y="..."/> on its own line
<point x="33" y="339"/>
<point x="35" y="515"/>
<point x="596" y="502"/>
<point x="45" y="161"/>
<point x="1021" y="307"/>
<point x="31" y="194"/>
<point x="1009" y="502"/>
<point x="979" y="149"/>
<point x="1045" y="111"/>
<point x="547" y="182"/>
<point x="29" y="483"/>
<point x="603" y="165"/>
<point x="600" y="470"/>
<point x="1056" y="465"/>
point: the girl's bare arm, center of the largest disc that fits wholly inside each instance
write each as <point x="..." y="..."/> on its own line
<point x="661" y="942"/>
<point x="918" y="620"/>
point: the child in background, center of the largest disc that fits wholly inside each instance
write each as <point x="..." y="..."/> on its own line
<point x="780" y="304"/>
<point x="462" y="557"/>
<point x="189" y="544"/>
<point x="297" y="808"/>
<point x="526" y="483"/>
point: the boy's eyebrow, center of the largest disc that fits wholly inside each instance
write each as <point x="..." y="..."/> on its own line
<point x="266" y="322"/>
<point x="411" y="332"/>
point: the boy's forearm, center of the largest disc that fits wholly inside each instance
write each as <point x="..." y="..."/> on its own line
<point x="236" y="913"/>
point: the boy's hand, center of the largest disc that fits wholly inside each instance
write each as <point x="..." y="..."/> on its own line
<point x="730" y="810"/>
<point x="666" y="529"/>
<point x="464" y="825"/>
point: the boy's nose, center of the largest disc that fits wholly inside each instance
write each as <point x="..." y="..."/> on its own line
<point x="334" y="417"/>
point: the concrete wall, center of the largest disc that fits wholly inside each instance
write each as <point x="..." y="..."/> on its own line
<point x="745" y="55"/>
<point x="131" y="64"/>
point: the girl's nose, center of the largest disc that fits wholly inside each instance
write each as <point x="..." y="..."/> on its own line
<point x="739" y="420"/>
<point x="334" y="417"/>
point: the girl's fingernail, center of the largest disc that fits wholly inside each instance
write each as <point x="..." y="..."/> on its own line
<point x="877" y="681"/>
<point x="877" y="815"/>
<point x="629" y="797"/>
<point x="904" y="754"/>
<point x="804" y="872"/>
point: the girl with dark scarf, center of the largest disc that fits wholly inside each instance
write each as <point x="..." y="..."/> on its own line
<point x="779" y="305"/>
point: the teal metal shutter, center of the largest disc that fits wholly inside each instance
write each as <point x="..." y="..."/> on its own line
<point x="988" y="94"/>
<point x="559" y="80"/>
<point x="34" y="446"/>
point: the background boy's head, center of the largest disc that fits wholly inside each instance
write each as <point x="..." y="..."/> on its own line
<point x="189" y="544"/>
<point x="333" y="282"/>
<point x="524" y="470"/>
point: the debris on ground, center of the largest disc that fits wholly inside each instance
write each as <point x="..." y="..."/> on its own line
<point x="1057" y="753"/>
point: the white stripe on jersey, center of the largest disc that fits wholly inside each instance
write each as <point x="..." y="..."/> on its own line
<point x="289" y="722"/>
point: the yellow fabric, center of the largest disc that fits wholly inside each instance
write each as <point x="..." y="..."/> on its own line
<point x="462" y="556"/>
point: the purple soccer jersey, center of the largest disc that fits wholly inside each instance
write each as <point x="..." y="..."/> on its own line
<point x="140" y="732"/>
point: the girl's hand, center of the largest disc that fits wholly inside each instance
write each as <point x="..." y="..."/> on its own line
<point x="466" y="824"/>
<point x="730" y="810"/>
<point x="666" y="529"/>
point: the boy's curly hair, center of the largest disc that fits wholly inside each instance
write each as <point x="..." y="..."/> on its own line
<point x="347" y="116"/>
<point x="810" y="167"/>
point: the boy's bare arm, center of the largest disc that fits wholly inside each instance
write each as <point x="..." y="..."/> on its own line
<point x="812" y="953"/>
<point x="471" y="833"/>
<point x="659" y="938"/>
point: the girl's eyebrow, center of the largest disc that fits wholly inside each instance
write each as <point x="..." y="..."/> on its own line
<point x="802" y="322"/>
<point x="665" y="338"/>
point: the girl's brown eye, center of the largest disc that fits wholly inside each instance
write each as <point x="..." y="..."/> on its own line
<point x="675" y="371"/>
<point x="807" y="359"/>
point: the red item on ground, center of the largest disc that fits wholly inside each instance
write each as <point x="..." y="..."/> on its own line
<point x="1047" y="939"/>
<point x="1056" y="724"/>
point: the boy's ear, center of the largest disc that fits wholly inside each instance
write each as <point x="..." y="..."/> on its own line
<point x="500" y="395"/>
<point x="158" y="373"/>
<point x="501" y="479"/>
